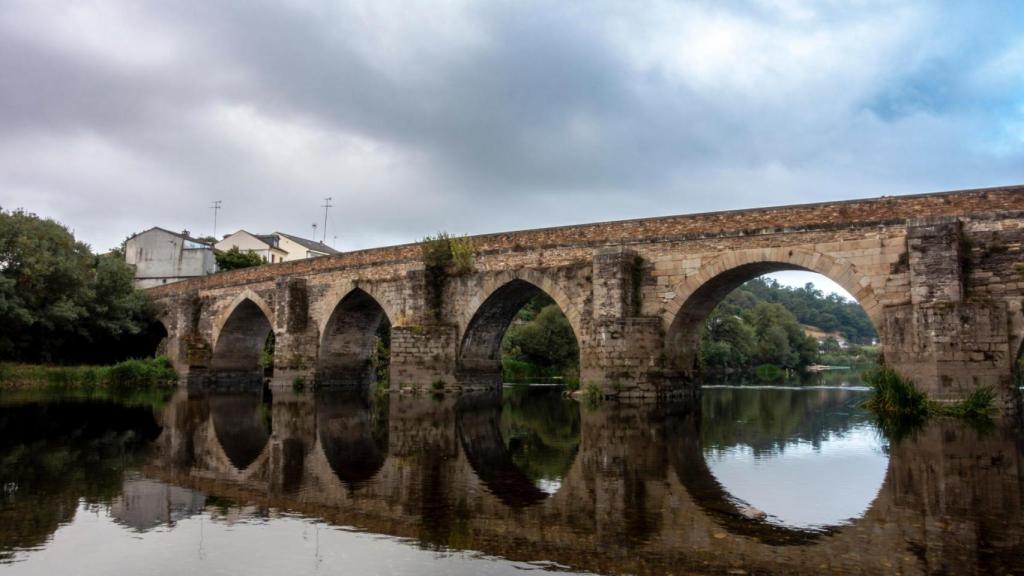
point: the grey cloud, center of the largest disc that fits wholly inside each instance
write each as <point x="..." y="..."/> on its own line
<point x="538" y="118"/>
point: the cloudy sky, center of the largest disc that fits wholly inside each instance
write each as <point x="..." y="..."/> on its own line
<point x="485" y="116"/>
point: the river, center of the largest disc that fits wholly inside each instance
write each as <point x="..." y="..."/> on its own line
<point x="783" y="479"/>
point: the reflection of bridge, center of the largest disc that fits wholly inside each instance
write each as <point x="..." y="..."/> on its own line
<point x="938" y="275"/>
<point x="638" y="497"/>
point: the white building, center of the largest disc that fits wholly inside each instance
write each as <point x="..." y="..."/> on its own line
<point x="301" y="248"/>
<point x="276" y="247"/>
<point x="265" y="245"/>
<point x="160" y="257"/>
<point x="145" y="504"/>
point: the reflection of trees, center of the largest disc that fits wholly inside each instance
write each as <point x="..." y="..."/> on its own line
<point x="766" y="419"/>
<point x="541" y="430"/>
<point x="56" y="454"/>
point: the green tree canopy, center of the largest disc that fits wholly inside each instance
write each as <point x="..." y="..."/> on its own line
<point x="235" y="259"/>
<point x="747" y="330"/>
<point x="540" y="341"/>
<point x="58" y="301"/>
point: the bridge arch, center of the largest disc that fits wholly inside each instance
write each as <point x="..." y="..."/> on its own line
<point x="348" y="338"/>
<point x="240" y="333"/>
<point x="687" y="459"/>
<point x="353" y="440"/>
<point x="492" y="311"/>
<point x="479" y="431"/>
<point x="240" y="428"/>
<point x="698" y="294"/>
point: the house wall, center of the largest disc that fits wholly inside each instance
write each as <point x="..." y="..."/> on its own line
<point x="295" y="250"/>
<point x="160" y="258"/>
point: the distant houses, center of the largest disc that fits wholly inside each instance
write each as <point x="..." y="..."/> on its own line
<point x="266" y="246"/>
<point x="276" y="247"/>
<point x="823" y="338"/>
<point x="160" y="256"/>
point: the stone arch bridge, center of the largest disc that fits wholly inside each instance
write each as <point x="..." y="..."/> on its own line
<point x="940" y="275"/>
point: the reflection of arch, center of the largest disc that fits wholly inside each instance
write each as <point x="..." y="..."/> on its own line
<point x="499" y="301"/>
<point x="478" y="425"/>
<point x="240" y="334"/>
<point x="240" y="427"/>
<point x="697" y="295"/>
<point x="686" y="456"/>
<point x="354" y="444"/>
<point x="347" y="342"/>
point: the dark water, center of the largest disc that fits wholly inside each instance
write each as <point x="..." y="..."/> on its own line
<point x="788" y="479"/>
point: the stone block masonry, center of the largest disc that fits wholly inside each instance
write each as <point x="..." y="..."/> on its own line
<point x="940" y="275"/>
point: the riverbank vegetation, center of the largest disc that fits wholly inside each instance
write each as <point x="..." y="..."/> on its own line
<point x="762" y="329"/>
<point x="766" y="334"/>
<point x="62" y="304"/>
<point x="126" y="376"/>
<point x="894" y="396"/>
<point x="540" y="345"/>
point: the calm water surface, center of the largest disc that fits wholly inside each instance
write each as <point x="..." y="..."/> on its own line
<point x="783" y="479"/>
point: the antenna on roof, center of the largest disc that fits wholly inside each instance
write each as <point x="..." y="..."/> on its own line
<point x="314" y="230"/>
<point x="215" y="208"/>
<point x="326" y="207"/>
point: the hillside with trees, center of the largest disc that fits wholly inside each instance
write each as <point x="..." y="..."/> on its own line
<point x="762" y="324"/>
<point x="809" y="305"/>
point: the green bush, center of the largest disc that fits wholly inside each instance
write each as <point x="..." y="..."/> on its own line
<point x="235" y="259"/>
<point x="769" y="373"/>
<point x="437" y="252"/>
<point x="593" y="395"/>
<point x="463" y="259"/>
<point x="444" y="253"/>
<point x="127" y="376"/>
<point x="138" y="374"/>
<point x="979" y="405"/>
<point x="894" y="395"/>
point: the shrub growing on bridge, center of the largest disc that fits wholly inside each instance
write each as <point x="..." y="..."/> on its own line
<point x="450" y="255"/>
<point x="443" y="256"/>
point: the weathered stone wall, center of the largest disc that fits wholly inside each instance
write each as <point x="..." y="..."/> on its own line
<point x="939" y="275"/>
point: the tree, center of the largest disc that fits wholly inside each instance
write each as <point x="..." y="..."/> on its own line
<point x="546" y="342"/>
<point x="831" y="344"/>
<point x="736" y="339"/>
<point x="729" y="343"/>
<point x="59" y="302"/>
<point x="541" y="339"/>
<point x="235" y="259"/>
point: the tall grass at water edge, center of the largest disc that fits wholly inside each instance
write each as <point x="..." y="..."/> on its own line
<point x="128" y="376"/>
